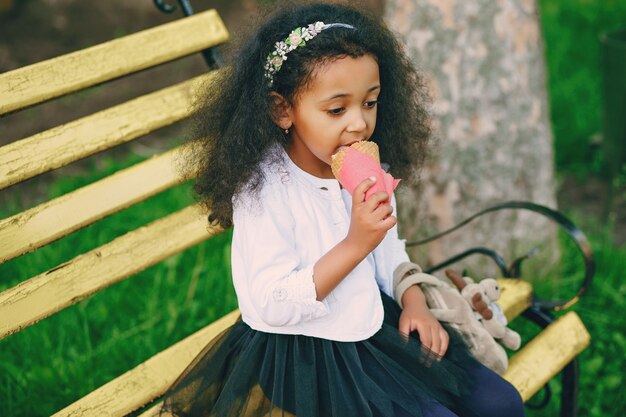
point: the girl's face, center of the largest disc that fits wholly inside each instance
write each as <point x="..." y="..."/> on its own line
<point x="336" y="109"/>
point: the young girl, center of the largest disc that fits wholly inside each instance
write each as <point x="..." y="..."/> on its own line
<point x="322" y="332"/>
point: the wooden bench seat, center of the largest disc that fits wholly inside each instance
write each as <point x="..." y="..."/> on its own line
<point x="531" y="367"/>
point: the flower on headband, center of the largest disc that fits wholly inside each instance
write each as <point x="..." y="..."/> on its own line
<point x="277" y="61"/>
<point x="295" y="38"/>
<point x="298" y="37"/>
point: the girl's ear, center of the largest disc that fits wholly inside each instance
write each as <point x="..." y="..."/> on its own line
<point x="281" y="111"/>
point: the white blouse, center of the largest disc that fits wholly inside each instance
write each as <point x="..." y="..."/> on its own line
<point x="278" y="238"/>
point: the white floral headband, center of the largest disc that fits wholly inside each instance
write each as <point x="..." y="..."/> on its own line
<point x="298" y="37"/>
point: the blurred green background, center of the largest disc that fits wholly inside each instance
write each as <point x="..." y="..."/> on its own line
<point x="48" y="366"/>
<point x="572" y="32"/>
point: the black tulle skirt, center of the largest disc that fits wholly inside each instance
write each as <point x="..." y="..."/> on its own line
<point x="245" y="372"/>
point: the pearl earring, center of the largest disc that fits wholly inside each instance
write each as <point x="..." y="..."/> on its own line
<point x="287" y="131"/>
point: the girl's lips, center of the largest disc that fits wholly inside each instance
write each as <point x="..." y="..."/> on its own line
<point x="339" y="149"/>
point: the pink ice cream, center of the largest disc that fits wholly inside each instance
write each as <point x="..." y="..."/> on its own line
<point x="358" y="166"/>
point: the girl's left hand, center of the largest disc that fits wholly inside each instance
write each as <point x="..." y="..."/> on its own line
<point x="417" y="316"/>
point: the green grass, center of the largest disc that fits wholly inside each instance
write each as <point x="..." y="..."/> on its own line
<point x="572" y="31"/>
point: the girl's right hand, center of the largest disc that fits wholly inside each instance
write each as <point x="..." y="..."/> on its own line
<point x="371" y="219"/>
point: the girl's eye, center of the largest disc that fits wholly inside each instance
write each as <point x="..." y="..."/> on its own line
<point x="371" y="104"/>
<point x="336" y="112"/>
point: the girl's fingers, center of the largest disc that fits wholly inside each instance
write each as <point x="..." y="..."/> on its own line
<point x="359" y="191"/>
<point x="382" y="211"/>
<point x="404" y="326"/>
<point x="425" y="337"/>
<point x="389" y="222"/>
<point x="436" y="341"/>
<point x="376" y="200"/>
<point x="445" y="340"/>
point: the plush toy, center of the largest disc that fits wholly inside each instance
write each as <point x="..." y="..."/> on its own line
<point x="448" y="305"/>
<point x="482" y="296"/>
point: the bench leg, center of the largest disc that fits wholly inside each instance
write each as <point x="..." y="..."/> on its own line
<point x="569" y="393"/>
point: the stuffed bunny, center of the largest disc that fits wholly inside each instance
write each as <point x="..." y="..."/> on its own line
<point x="482" y="296"/>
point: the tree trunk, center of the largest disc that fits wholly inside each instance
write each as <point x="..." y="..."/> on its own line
<point x="485" y="68"/>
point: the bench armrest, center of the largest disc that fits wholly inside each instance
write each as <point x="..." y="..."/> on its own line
<point x="579" y="238"/>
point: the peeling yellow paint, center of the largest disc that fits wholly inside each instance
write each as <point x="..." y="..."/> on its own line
<point x="58" y="76"/>
<point x="548" y="353"/>
<point x="80" y="138"/>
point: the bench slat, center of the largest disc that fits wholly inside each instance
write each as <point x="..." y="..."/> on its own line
<point x="132" y="382"/>
<point x="148" y="380"/>
<point x="47" y="222"/>
<point x="80" y="138"/>
<point x="515" y="296"/>
<point x="67" y="73"/>
<point x="72" y="281"/>
<point x="547" y="354"/>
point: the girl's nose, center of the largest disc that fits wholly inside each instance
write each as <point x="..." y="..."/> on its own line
<point x="357" y="122"/>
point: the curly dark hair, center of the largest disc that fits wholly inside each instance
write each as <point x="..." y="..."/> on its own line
<point x="233" y="124"/>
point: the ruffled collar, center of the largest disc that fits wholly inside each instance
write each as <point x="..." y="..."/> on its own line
<point x="326" y="187"/>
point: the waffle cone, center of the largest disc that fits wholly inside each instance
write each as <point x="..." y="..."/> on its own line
<point x="365" y="146"/>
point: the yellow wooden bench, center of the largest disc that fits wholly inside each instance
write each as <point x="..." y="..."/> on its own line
<point x="66" y="284"/>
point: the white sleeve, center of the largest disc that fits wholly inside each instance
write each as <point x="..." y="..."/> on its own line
<point x="281" y="290"/>
<point x="388" y="255"/>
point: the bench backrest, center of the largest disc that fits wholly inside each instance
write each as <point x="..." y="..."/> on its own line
<point x="66" y="284"/>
